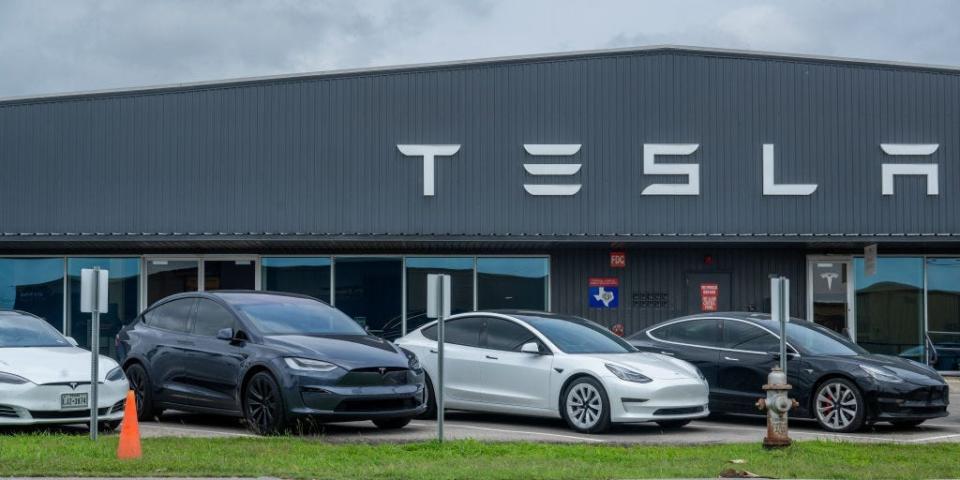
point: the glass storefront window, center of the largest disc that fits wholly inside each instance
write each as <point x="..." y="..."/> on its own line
<point x="240" y="274"/>
<point x="943" y="311"/>
<point x="370" y="290"/>
<point x="520" y="283"/>
<point x="167" y="277"/>
<point x="460" y="270"/>
<point x="306" y="276"/>
<point x="889" y="307"/>
<point x="829" y="294"/>
<point x="123" y="300"/>
<point x="33" y="285"/>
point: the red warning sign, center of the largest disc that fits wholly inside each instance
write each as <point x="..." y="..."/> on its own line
<point x="709" y="294"/>
<point x="618" y="259"/>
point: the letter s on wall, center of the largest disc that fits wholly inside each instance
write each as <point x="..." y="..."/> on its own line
<point x="690" y="170"/>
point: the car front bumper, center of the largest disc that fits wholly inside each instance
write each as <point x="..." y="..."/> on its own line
<point x="32" y="404"/>
<point x="322" y="399"/>
<point x="660" y="400"/>
<point x="907" y="401"/>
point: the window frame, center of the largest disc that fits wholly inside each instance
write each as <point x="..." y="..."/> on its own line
<point x="544" y="349"/>
<point x="790" y="349"/>
<point x="189" y="328"/>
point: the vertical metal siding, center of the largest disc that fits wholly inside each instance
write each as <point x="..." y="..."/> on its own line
<point x="319" y="155"/>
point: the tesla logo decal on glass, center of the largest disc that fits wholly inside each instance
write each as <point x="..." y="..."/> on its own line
<point x="829" y="277"/>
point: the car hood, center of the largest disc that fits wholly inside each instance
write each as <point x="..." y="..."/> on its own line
<point x="652" y="365"/>
<point x="347" y="351"/>
<point x="910" y="371"/>
<point x="52" y="364"/>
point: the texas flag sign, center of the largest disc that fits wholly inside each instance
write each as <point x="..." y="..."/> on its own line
<point x="604" y="292"/>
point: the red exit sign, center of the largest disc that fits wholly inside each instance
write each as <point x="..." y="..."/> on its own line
<point x="618" y="259"/>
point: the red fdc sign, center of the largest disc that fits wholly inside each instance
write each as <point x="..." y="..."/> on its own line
<point x="618" y="259"/>
<point x="604" y="282"/>
<point x="709" y="293"/>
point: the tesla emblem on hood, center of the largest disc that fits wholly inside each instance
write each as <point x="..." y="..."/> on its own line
<point x="383" y="371"/>
<point x="73" y="385"/>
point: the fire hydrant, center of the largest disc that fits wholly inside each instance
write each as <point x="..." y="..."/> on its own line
<point x="777" y="404"/>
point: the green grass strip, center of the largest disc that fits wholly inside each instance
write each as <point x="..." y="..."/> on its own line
<point x="63" y="455"/>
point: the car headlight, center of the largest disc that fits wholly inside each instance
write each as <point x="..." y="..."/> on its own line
<point x="309" y="365"/>
<point x="412" y="361"/>
<point x="115" y="375"/>
<point x="12" y="379"/>
<point x="881" y="374"/>
<point x="627" y="374"/>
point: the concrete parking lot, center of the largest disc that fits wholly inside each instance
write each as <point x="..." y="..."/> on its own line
<point x="462" y="425"/>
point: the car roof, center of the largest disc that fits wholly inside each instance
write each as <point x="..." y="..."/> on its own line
<point x="18" y="313"/>
<point x="757" y="318"/>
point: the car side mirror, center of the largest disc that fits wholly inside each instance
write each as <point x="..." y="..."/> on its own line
<point x="530" y="347"/>
<point x="72" y="341"/>
<point x="225" y="334"/>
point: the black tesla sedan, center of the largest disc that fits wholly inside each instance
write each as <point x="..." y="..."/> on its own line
<point x="837" y="383"/>
<point x="269" y="358"/>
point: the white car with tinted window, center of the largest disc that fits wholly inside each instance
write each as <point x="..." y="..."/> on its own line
<point x="45" y="377"/>
<point x="547" y="365"/>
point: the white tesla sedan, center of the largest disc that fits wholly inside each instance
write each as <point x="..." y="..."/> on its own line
<point x="541" y="364"/>
<point x="45" y="377"/>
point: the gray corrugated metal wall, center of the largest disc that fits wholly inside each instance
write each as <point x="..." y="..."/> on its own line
<point x="663" y="270"/>
<point x="319" y="155"/>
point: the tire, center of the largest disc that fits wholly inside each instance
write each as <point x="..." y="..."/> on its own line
<point x="907" y="423"/>
<point x="263" y="407"/>
<point x="143" y="391"/>
<point x="108" y="427"/>
<point x="670" y="424"/>
<point x="585" y="406"/>
<point x="392" y="423"/>
<point x="851" y="414"/>
<point x="431" y="412"/>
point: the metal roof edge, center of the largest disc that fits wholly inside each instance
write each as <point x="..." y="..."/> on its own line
<point x="525" y="58"/>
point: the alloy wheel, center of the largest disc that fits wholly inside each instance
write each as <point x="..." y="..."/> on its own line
<point x="837" y="406"/>
<point x="137" y="380"/>
<point x="263" y="404"/>
<point x="584" y="406"/>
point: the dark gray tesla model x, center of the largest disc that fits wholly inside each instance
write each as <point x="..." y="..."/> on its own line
<point x="270" y="358"/>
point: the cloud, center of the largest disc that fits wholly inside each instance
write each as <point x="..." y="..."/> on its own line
<point x="68" y="45"/>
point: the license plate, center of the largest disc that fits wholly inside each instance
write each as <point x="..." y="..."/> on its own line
<point x="73" y="400"/>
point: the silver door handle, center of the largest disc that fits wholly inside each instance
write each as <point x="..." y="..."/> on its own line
<point x="731" y="359"/>
<point x="491" y="357"/>
<point x="668" y="353"/>
<point x="433" y="351"/>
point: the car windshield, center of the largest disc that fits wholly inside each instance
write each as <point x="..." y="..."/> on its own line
<point x="817" y="340"/>
<point x="18" y="330"/>
<point x="578" y="335"/>
<point x="279" y="315"/>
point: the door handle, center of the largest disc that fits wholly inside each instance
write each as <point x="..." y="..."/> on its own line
<point x="433" y="350"/>
<point x="668" y="353"/>
<point x="731" y="359"/>
<point x="491" y="357"/>
<point x="185" y="342"/>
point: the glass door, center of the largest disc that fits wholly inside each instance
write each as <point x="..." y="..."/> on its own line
<point x="230" y="274"/>
<point x="166" y="277"/>
<point x="943" y="312"/>
<point x="829" y="287"/>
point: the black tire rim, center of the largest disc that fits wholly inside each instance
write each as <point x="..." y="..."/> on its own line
<point x="263" y="404"/>
<point x="138" y="385"/>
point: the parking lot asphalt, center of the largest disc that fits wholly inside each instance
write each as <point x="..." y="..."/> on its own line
<point x="493" y="427"/>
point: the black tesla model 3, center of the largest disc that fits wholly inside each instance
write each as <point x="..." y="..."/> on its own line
<point x="270" y="358"/>
<point x="837" y="383"/>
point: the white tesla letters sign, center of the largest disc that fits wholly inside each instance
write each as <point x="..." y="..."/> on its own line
<point x="566" y="185"/>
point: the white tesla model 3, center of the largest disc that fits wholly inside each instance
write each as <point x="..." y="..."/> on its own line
<point x="547" y="365"/>
<point x="45" y="377"/>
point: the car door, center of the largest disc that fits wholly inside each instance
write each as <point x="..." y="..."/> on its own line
<point x="511" y="377"/>
<point x="748" y="353"/>
<point x="695" y="340"/>
<point x="215" y="363"/>
<point x="462" y="360"/>
<point x="170" y="357"/>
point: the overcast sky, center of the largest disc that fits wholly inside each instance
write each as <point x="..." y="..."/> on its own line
<point x="54" y="46"/>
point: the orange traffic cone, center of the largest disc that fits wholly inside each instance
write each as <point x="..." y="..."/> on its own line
<point x="129" y="447"/>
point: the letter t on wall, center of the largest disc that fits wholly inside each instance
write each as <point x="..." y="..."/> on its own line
<point x="428" y="152"/>
<point x="930" y="170"/>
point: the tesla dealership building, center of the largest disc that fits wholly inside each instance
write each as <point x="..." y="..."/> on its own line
<point x="626" y="186"/>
